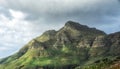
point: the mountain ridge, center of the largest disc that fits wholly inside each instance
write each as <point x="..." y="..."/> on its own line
<point x="71" y="46"/>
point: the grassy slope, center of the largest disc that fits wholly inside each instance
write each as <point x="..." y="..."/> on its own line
<point x="62" y="57"/>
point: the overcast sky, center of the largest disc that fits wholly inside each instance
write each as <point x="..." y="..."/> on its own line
<point x="23" y="20"/>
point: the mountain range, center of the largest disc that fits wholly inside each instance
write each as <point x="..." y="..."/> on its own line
<point x="74" y="46"/>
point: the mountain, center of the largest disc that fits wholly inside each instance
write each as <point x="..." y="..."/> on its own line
<point x="74" y="46"/>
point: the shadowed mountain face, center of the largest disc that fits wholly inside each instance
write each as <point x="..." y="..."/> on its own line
<point x="72" y="47"/>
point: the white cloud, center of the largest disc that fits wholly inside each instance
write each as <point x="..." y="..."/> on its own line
<point x="17" y="14"/>
<point x="14" y="33"/>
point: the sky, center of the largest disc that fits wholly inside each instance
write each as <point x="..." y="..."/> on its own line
<point x="23" y="20"/>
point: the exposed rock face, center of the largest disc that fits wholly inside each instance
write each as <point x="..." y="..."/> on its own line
<point x="72" y="44"/>
<point x="114" y="43"/>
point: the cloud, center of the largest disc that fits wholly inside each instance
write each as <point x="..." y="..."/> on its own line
<point x="13" y="32"/>
<point x="54" y="10"/>
<point x="5" y="12"/>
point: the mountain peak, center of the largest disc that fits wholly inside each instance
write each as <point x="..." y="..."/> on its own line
<point x="72" y="24"/>
<point x="75" y="25"/>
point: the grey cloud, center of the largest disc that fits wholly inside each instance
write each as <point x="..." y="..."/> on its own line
<point x="5" y="12"/>
<point x="64" y="7"/>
